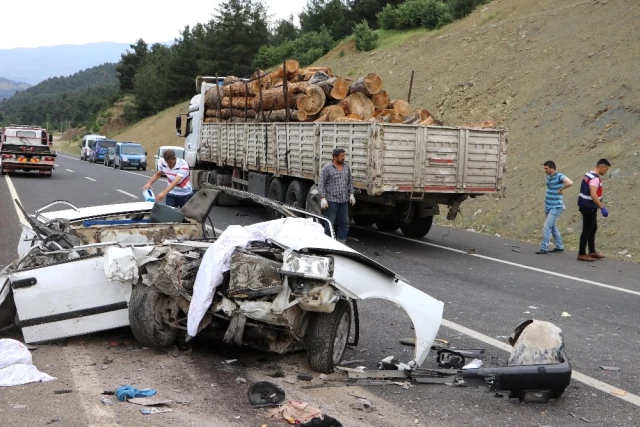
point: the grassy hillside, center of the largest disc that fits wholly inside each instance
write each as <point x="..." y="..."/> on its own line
<point x="559" y="75"/>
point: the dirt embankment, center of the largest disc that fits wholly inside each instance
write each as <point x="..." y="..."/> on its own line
<point x="561" y="76"/>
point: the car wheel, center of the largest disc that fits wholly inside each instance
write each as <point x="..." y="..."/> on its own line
<point x="418" y="227"/>
<point x="364" y="220"/>
<point x="147" y="310"/>
<point x="4" y="172"/>
<point x="328" y="336"/>
<point x="144" y="168"/>
<point x="297" y="194"/>
<point x="387" y="223"/>
<point x="120" y="166"/>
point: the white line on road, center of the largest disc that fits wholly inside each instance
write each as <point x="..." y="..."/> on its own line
<point x="69" y="170"/>
<point x="90" y="179"/>
<point x="56" y="165"/>
<point x="14" y="196"/>
<point x="128" y="194"/>
<point x="513" y="264"/>
<point x="131" y="172"/>
<point x="592" y="382"/>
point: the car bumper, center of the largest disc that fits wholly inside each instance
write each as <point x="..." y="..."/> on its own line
<point x="132" y="164"/>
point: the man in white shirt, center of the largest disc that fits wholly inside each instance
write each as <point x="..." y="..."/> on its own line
<point x="176" y="170"/>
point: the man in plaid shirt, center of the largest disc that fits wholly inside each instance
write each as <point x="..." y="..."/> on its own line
<point x="336" y="193"/>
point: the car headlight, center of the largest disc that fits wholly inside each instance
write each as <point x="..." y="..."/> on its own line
<point x="125" y="159"/>
<point x="309" y="266"/>
<point x="144" y="159"/>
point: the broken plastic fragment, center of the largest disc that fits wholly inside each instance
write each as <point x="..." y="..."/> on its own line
<point x="474" y="364"/>
<point x="565" y="314"/>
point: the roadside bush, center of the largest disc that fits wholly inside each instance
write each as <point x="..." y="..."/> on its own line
<point x="366" y="39"/>
<point x="461" y="8"/>
<point x="387" y="17"/>
<point x="435" y="14"/>
<point x="305" y="49"/>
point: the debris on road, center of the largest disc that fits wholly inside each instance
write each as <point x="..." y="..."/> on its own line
<point x="363" y="405"/>
<point x="62" y="391"/>
<point x="149" y="401"/>
<point x="304" y="376"/>
<point x="408" y="341"/>
<point x="53" y="420"/>
<point x="106" y="401"/>
<point x="565" y="314"/>
<point x="295" y="412"/>
<point x="326" y="421"/>
<point x="240" y="380"/>
<point x="16" y="365"/>
<point x="264" y="394"/>
<point x="609" y="368"/>
<point x="474" y="364"/>
<point x="154" y="410"/>
<point x="128" y="392"/>
<point x="471" y="251"/>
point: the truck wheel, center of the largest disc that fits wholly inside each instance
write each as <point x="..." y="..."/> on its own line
<point x="313" y="201"/>
<point x="146" y="308"/>
<point x="297" y="194"/>
<point x="328" y="336"/>
<point x="387" y="223"/>
<point x="277" y="192"/>
<point x="364" y="220"/>
<point x="418" y="227"/>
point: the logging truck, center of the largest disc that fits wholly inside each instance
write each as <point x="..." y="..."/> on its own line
<point x="26" y="148"/>
<point x="272" y="141"/>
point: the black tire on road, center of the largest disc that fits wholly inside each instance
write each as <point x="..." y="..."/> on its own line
<point x="328" y="336"/>
<point x="418" y="227"/>
<point x="297" y="194"/>
<point x="365" y="220"/>
<point x="387" y="223"/>
<point x="145" y="318"/>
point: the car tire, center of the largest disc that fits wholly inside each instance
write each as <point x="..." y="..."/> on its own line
<point x="364" y="220"/>
<point x="120" y="166"/>
<point x="296" y="195"/>
<point x="145" y="317"/>
<point x="418" y="227"/>
<point x="144" y="168"/>
<point x="387" y="223"/>
<point x="328" y="336"/>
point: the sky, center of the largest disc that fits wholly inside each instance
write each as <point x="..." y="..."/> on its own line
<point x="38" y="23"/>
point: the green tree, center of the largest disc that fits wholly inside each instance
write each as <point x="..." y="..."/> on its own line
<point x="129" y="64"/>
<point x="330" y="14"/>
<point x="366" y="39"/>
<point x="284" y="30"/>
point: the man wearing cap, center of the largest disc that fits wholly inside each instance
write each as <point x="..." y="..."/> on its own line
<point x="335" y="190"/>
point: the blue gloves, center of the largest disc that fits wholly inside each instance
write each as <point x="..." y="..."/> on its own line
<point x="605" y="212"/>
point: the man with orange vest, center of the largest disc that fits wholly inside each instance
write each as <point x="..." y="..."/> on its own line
<point x="589" y="202"/>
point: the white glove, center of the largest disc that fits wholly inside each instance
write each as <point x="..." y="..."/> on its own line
<point x="352" y="200"/>
<point x="323" y="203"/>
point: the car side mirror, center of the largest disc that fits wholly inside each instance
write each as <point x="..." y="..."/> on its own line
<point x="145" y="153"/>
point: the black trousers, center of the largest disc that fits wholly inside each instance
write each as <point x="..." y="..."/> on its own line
<point x="589" y="228"/>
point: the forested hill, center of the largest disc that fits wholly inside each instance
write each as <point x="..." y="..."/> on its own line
<point x="9" y="87"/>
<point x="77" y="97"/>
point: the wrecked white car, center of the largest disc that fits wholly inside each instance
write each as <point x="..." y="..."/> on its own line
<point x="281" y="285"/>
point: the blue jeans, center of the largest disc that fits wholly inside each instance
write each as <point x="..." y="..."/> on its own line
<point x="550" y="228"/>
<point x="177" y="201"/>
<point x="338" y="214"/>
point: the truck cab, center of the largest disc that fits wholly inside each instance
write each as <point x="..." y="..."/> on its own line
<point x="130" y="155"/>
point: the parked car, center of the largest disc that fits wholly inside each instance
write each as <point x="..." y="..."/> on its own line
<point x="87" y="144"/>
<point x="130" y="155"/>
<point x="100" y="148"/>
<point x="287" y="287"/>
<point x="109" y="156"/>
<point x="178" y="150"/>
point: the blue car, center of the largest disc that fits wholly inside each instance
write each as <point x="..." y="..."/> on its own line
<point x="100" y="148"/>
<point x="130" y="155"/>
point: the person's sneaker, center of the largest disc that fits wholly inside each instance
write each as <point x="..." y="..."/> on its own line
<point x="542" y="252"/>
<point x="556" y="251"/>
<point x="585" y="258"/>
<point x="596" y="255"/>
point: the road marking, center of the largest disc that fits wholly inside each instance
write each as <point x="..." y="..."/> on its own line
<point x="14" y="196"/>
<point x="56" y="165"/>
<point x="69" y="170"/>
<point x="128" y="194"/>
<point x="513" y="264"/>
<point x="587" y="380"/>
<point x="131" y="172"/>
<point x="90" y="179"/>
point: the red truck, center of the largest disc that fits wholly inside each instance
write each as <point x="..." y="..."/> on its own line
<point x="26" y="148"/>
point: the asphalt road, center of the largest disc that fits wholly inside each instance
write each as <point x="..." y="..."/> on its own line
<point x="489" y="292"/>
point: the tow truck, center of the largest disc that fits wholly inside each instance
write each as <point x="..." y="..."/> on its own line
<point x="26" y="148"/>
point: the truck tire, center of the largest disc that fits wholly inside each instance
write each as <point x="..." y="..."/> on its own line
<point x="364" y="220"/>
<point x="387" y="223"/>
<point x="277" y="192"/>
<point x="313" y="201"/>
<point x="327" y="337"/>
<point x="145" y="318"/>
<point x="297" y="194"/>
<point x="418" y="227"/>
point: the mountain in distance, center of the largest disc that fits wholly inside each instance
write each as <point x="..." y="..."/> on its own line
<point x="9" y="87"/>
<point x="33" y="65"/>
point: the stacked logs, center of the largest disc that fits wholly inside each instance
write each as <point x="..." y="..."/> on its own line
<point x="291" y="93"/>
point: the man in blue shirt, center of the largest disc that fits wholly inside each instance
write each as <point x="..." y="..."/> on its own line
<point x="553" y="207"/>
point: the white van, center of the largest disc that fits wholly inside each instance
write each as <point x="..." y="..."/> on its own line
<point x="87" y="144"/>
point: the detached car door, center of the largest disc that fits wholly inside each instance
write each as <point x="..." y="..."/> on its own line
<point x="67" y="299"/>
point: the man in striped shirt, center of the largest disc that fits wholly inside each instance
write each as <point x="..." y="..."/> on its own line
<point x="553" y="207"/>
<point x="179" y="190"/>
